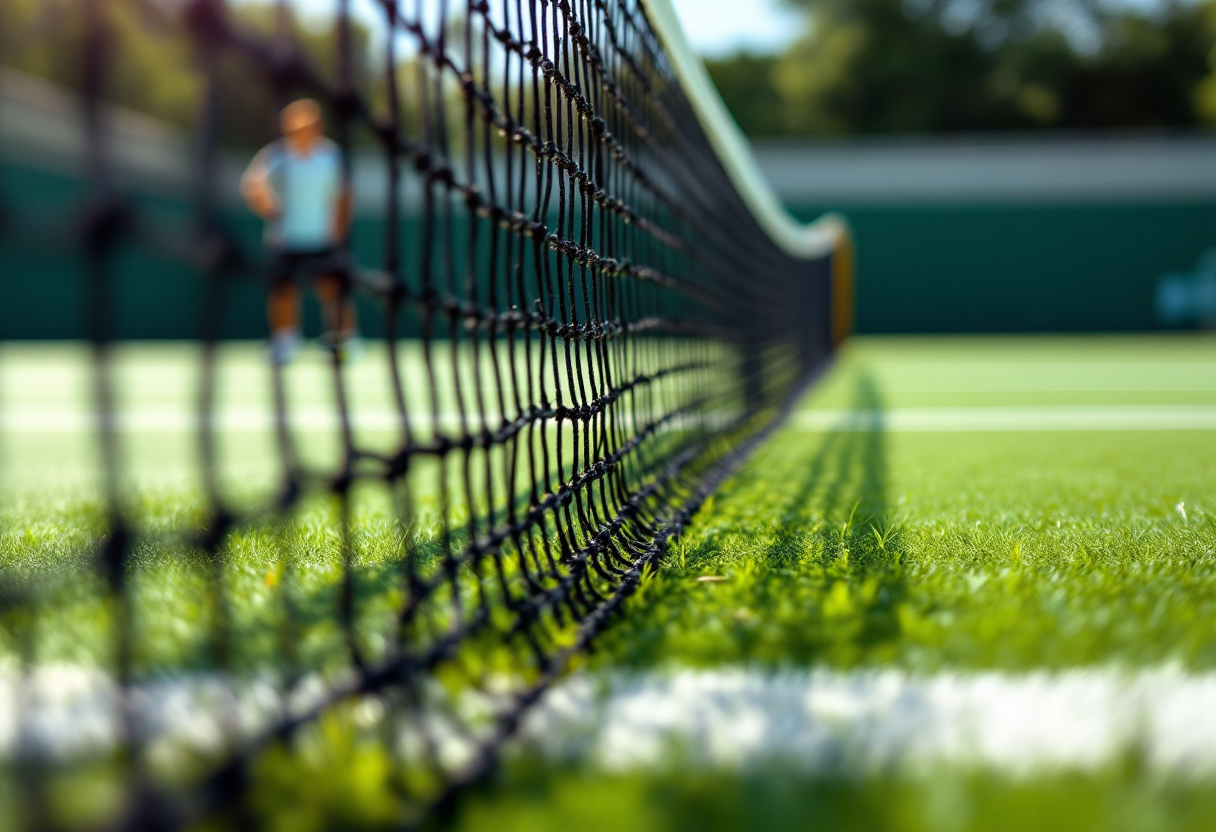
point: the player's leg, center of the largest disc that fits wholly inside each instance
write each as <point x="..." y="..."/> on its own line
<point x="341" y="321"/>
<point x="283" y="312"/>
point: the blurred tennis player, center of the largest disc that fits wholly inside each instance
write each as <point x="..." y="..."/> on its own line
<point x="299" y="187"/>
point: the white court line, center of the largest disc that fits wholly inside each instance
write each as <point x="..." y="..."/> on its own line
<point x="182" y="420"/>
<point x="899" y="420"/>
<point x="818" y="721"/>
<point x="821" y="721"/>
<point x="1064" y="385"/>
<point x="897" y="376"/>
<point x="253" y="420"/>
<point x="1010" y="419"/>
<point x="870" y="721"/>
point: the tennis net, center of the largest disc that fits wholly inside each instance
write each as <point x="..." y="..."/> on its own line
<point x="582" y="310"/>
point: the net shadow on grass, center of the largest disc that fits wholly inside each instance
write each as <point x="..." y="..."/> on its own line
<point x="805" y="572"/>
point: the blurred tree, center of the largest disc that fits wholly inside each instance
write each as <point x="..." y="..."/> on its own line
<point x="746" y="84"/>
<point x="1205" y="92"/>
<point x="152" y="62"/>
<point x="886" y="66"/>
<point x="863" y="66"/>
<point x="1144" y="73"/>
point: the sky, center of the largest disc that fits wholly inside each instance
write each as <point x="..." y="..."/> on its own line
<point x="715" y="28"/>
<point x="720" y="27"/>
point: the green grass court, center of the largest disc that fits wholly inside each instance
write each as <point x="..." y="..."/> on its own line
<point x="1001" y="508"/>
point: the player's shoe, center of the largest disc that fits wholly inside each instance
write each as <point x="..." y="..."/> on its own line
<point x="347" y="344"/>
<point x="350" y="348"/>
<point x="284" y="346"/>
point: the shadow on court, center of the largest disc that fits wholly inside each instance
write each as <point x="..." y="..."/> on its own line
<point x="803" y="553"/>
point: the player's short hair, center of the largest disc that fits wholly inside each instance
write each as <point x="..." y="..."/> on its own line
<point x="300" y="112"/>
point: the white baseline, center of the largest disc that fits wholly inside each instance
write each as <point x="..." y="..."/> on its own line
<point x="884" y="720"/>
<point x="1010" y="419"/>
<point x="898" y="420"/>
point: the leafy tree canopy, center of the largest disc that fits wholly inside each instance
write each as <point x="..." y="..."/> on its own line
<point x="863" y="66"/>
<point x="915" y="66"/>
<point x="152" y="65"/>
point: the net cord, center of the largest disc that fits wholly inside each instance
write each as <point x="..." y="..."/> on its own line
<point x="810" y="241"/>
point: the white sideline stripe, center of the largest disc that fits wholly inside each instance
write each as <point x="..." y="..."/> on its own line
<point x="1010" y="419"/>
<point x="983" y="376"/>
<point x="179" y="420"/>
<point x="1063" y="386"/>
<point x="71" y="711"/>
<point x="869" y="721"/>
<point x="901" y="420"/>
<point x="813" y="721"/>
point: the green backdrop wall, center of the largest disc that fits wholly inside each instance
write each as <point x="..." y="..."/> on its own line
<point x="946" y="268"/>
<point x="1020" y="268"/>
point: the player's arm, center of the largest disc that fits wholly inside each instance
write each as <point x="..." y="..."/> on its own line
<point x="256" y="189"/>
<point x="344" y="206"/>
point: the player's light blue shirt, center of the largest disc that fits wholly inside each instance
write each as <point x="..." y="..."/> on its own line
<point x="308" y="188"/>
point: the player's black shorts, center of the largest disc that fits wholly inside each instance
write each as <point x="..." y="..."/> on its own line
<point x="290" y="267"/>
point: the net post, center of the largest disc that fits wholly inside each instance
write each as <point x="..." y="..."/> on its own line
<point x="843" y="292"/>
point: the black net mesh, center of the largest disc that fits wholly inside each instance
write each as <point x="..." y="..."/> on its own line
<point x="575" y="329"/>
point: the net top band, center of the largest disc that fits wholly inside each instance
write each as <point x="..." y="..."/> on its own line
<point x="806" y="241"/>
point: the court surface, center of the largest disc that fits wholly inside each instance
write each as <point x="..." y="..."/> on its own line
<point x="970" y="584"/>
